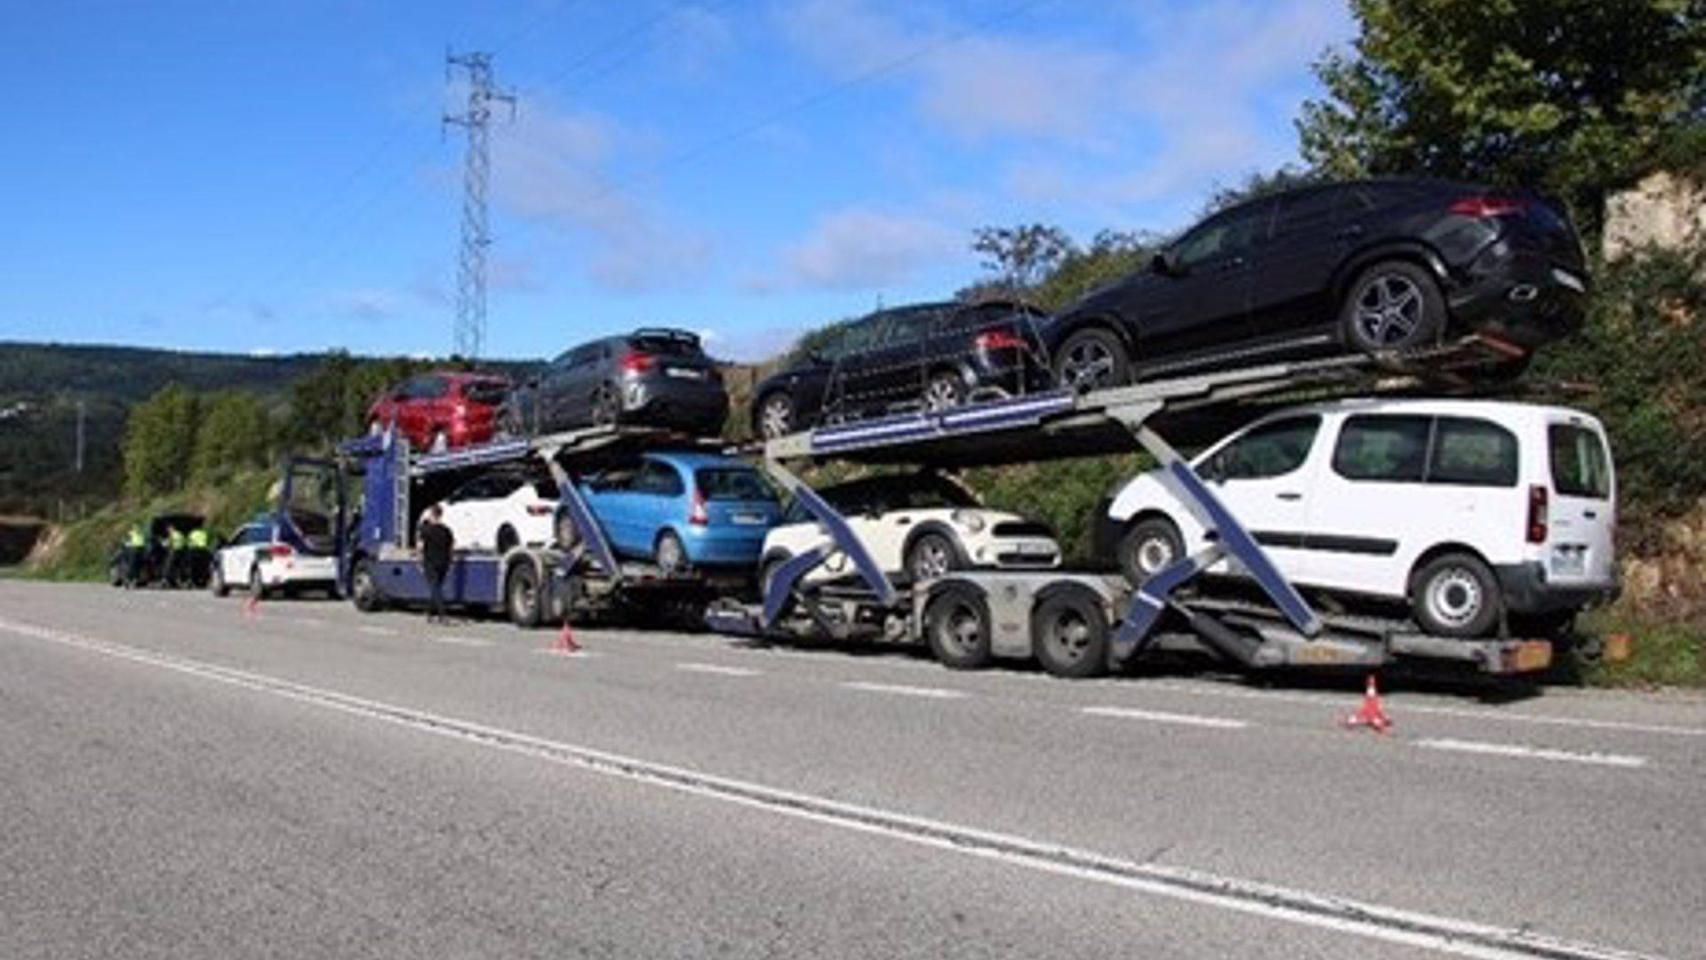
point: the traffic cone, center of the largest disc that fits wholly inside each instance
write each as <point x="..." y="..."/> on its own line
<point x="565" y="642"/>
<point x="1371" y="714"/>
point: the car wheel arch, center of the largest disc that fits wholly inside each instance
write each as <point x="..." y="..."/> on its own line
<point x="1434" y="552"/>
<point x="937" y="527"/>
<point x="1358" y="263"/>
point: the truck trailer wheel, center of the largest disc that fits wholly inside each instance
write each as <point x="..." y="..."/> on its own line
<point x="364" y="588"/>
<point x="1069" y="634"/>
<point x="522" y="597"/>
<point x="956" y="625"/>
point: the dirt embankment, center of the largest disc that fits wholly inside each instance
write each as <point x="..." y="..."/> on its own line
<point x="18" y="536"/>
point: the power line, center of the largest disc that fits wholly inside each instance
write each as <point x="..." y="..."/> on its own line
<point x="470" y="328"/>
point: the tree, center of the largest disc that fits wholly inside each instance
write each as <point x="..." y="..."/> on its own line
<point x="319" y="400"/>
<point x="1021" y="256"/>
<point x="234" y="434"/>
<point x="1112" y="254"/>
<point x="1571" y="96"/>
<point x="1258" y="183"/>
<point x="159" y="441"/>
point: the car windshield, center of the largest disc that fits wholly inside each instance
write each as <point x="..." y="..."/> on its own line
<point x="667" y="345"/>
<point x="732" y="483"/>
<point x="883" y="494"/>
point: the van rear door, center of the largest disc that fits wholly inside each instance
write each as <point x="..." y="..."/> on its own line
<point x="1582" y="514"/>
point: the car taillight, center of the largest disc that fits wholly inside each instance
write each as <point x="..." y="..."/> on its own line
<point x="1537" y="514"/>
<point x="999" y="340"/>
<point x="1489" y="206"/>
<point x="696" y="514"/>
<point x="637" y="362"/>
<point x="279" y="550"/>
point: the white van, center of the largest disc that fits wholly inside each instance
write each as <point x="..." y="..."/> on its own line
<point x="1460" y="508"/>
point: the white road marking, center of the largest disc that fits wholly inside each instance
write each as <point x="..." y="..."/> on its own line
<point x="1158" y="716"/>
<point x="577" y="655"/>
<point x="938" y="693"/>
<point x="460" y="641"/>
<point x="718" y="669"/>
<point x="1533" y="753"/>
<point x="378" y="631"/>
<point x="1401" y="703"/>
<point x="1390" y="924"/>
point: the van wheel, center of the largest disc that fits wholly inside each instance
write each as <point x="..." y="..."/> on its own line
<point x="522" y="598"/>
<point x="956" y="625"/>
<point x="1394" y="305"/>
<point x="1148" y="547"/>
<point x="506" y="539"/>
<point x="1091" y="359"/>
<point x="1455" y="595"/>
<point x="1069" y="634"/>
<point x="364" y="588"/>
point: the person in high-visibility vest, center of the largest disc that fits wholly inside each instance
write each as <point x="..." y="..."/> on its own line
<point x="135" y="546"/>
<point x="198" y="564"/>
<point x="175" y="545"/>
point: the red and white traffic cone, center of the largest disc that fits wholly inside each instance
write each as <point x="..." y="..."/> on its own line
<point x="1371" y="714"/>
<point x="565" y="642"/>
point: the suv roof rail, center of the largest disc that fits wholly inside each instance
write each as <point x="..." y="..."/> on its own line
<point x="667" y="333"/>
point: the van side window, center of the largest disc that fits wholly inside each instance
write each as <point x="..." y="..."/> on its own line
<point x="1473" y="453"/>
<point x="1388" y="448"/>
<point x="1580" y="467"/>
<point x="1270" y="450"/>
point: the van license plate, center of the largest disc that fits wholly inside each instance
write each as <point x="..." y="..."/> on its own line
<point x="1569" y="563"/>
<point x="685" y="373"/>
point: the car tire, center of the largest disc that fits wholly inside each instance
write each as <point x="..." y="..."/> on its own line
<point x="775" y="415"/>
<point x="364" y="588"/>
<point x="257" y="586"/>
<point x="1455" y="595"/>
<point x="1092" y="358"/>
<point x="605" y="407"/>
<point x="1148" y="547"/>
<point x="523" y="600"/>
<point x="216" y="581"/>
<point x="932" y="555"/>
<point x="506" y="539"/>
<point x="670" y="554"/>
<point x="116" y="574"/>
<point x="945" y="391"/>
<point x="1069" y="634"/>
<point x="957" y="627"/>
<point x="1394" y="305"/>
<point x="439" y="443"/>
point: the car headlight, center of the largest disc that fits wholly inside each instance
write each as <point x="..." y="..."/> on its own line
<point x="970" y="519"/>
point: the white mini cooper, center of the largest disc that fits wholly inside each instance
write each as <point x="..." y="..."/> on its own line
<point x="920" y="525"/>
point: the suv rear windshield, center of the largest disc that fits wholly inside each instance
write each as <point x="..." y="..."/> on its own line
<point x="1580" y="466"/>
<point x="681" y="345"/>
<point x="732" y="483"/>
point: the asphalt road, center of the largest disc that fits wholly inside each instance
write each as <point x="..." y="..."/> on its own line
<point x="181" y="780"/>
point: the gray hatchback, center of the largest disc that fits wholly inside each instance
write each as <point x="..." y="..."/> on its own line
<point x="651" y="377"/>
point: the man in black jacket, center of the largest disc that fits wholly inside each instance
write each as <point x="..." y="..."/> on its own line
<point x="437" y="544"/>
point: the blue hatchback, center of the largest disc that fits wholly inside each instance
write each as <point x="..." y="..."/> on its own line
<point x="684" y="510"/>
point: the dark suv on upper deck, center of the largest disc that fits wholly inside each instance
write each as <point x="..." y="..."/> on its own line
<point x="652" y="377"/>
<point x="1363" y="266"/>
<point x="926" y="356"/>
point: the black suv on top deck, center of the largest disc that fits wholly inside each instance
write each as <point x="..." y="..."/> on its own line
<point x="1358" y="266"/>
<point x="651" y="377"/>
<point x="930" y="356"/>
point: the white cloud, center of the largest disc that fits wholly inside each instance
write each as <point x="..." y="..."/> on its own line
<point x="859" y="248"/>
<point x="554" y="167"/>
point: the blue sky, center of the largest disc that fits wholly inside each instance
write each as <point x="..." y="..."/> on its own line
<point x="271" y="176"/>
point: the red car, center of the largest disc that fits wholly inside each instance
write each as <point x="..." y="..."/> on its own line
<point x="443" y="409"/>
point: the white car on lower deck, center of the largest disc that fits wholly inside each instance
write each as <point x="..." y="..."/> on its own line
<point x="920" y="525"/>
<point x="259" y="560"/>
<point x="1463" y="509"/>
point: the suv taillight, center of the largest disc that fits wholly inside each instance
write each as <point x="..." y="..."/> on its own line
<point x="637" y="362"/>
<point x="999" y="340"/>
<point x="697" y="514"/>
<point x="1489" y="206"/>
<point x="1537" y="514"/>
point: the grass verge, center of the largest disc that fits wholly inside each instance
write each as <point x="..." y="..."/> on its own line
<point x="1665" y="654"/>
